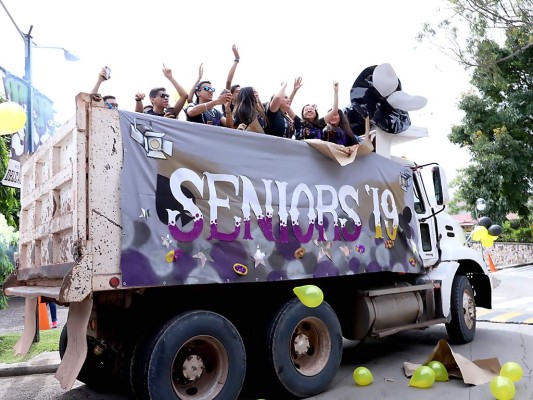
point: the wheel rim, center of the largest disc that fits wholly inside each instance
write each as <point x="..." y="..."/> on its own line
<point x="469" y="308"/>
<point x="200" y="368"/>
<point x="310" y="346"/>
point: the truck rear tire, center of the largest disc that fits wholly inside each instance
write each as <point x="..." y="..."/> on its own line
<point x="196" y="355"/>
<point x="462" y="327"/>
<point x="305" y="347"/>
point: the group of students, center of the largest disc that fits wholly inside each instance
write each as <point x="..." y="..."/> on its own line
<point x="243" y="110"/>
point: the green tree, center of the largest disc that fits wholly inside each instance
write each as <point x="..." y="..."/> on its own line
<point x="8" y="241"/>
<point x="497" y="128"/>
<point x="9" y="197"/>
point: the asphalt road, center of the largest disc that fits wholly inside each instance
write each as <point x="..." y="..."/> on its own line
<point x="12" y="318"/>
<point x="384" y="358"/>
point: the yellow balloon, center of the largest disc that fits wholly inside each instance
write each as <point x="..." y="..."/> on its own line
<point x="310" y="295"/>
<point x="362" y="376"/>
<point x="479" y="233"/>
<point x="441" y="374"/>
<point x="512" y="370"/>
<point x="487" y="241"/>
<point x="423" y="377"/>
<point x="12" y="118"/>
<point x="502" y="388"/>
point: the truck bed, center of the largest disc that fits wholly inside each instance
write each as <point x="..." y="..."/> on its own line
<point x="120" y="200"/>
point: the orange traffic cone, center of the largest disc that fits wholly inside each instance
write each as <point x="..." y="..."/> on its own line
<point x="44" y="324"/>
<point x="491" y="264"/>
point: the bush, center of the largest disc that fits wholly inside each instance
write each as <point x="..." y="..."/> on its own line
<point x="8" y="241"/>
<point x="520" y="234"/>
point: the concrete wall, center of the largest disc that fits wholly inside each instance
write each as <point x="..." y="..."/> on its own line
<point x="504" y="254"/>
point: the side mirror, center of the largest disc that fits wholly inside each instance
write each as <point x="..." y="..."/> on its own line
<point x="440" y="186"/>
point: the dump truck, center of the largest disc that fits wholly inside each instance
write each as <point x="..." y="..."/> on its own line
<point x="198" y="260"/>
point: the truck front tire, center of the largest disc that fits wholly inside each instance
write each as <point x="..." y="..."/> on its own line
<point x="462" y="327"/>
<point x="305" y="347"/>
<point x="198" y="354"/>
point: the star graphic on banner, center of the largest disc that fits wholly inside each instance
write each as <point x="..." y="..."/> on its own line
<point x="324" y="249"/>
<point x="144" y="213"/>
<point x="345" y="250"/>
<point x="203" y="255"/>
<point x="166" y="240"/>
<point x="259" y="257"/>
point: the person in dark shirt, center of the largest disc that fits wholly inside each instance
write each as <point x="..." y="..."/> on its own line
<point x="246" y="111"/>
<point x="312" y="124"/>
<point x="109" y="100"/>
<point x="281" y="120"/>
<point x="160" y="99"/>
<point x="338" y="130"/>
<point x="203" y="111"/>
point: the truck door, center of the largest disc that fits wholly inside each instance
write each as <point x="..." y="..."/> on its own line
<point x="426" y="221"/>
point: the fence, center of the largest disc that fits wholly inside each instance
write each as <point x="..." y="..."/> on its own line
<point x="508" y="254"/>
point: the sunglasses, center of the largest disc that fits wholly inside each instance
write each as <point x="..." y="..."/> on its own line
<point x="208" y="88"/>
<point x="110" y="105"/>
<point x="164" y="95"/>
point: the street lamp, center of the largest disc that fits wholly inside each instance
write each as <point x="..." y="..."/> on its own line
<point x="481" y="205"/>
<point x="29" y="44"/>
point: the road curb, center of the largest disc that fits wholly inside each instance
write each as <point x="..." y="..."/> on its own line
<point x="28" y="370"/>
<point x="514" y="266"/>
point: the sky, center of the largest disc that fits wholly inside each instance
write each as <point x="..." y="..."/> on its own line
<point x="321" y="41"/>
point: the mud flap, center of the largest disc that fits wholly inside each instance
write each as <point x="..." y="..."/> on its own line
<point x="30" y="326"/>
<point x="76" y="352"/>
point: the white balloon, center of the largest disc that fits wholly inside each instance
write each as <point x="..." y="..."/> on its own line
<point x="406" y="102"/>
<point x="384" y="79"/>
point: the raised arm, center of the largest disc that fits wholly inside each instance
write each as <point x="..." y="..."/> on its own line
<point x="181" y="92"/>
<point x="335" y="108"/>
<point x="278" y="98"/>
<point x="139" y="97"/>
<point x="193" y="89"/>
<point x="259" y="106"/>
<point x="223" y="98"/>
<point x="297" y="85"/>
<point x="233" y="67"/>
<point x="227" y="118"/>
<point x="102" y="76"/>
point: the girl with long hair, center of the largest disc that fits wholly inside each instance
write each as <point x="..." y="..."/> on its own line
<point x="246" y="111"/>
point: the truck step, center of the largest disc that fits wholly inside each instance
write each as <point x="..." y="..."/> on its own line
<point x="418" y="325"/>
<point x="400" y="289"/>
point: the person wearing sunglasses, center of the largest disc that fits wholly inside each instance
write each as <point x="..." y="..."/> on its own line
<point x="160" y="99"/>
<point x="203" y="110"/>
<point x="110" y="101"/>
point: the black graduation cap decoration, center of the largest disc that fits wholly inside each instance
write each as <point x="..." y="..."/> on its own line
<point x="377" y="93"/>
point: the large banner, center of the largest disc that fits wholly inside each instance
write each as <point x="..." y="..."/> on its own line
<point x="17" y="90"/>
<point x="205" y="204"/>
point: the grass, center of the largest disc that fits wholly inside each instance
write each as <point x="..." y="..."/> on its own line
<point x="49" y="342"/>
